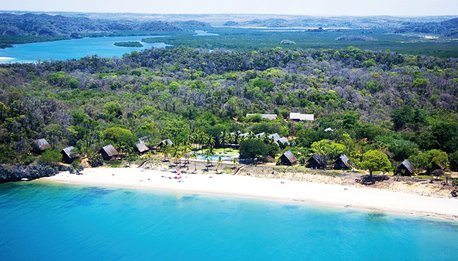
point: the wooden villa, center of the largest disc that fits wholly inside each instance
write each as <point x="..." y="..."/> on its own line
<point x="109" y="152"/>
<point x="342" y="163"/>
<point x="288" y="158"/>
<point x="405" y="169"/>
<point x="69" y="155"/>
<point x="40" y="145"/>
<point x="317" y="162"/>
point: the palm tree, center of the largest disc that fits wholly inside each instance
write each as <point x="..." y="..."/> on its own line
<point x="235" y="161"/>
<point x="166" y="151"/>
<point x="187" y="149"/>
<point x="211" y="144"/>
<point x="207" y="159"/>
<point x="220" y="160"/>
<point x="176" y="153"/>
<point x="194" y="155"/>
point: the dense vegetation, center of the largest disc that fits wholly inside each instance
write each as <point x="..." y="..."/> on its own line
<point x="447" y="28"/>
<point x="128" y="44"/>
<point x="405" y="35"/>
<point x="374" y="39"/>
<point x="402" y="105"/>
<point x="42" y="27"/>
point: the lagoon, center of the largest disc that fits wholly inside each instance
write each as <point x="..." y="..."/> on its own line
<point x="74" y="49"/>
<point x="60" y="222"/>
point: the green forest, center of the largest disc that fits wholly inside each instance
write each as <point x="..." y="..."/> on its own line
<point x="404" y="106"/>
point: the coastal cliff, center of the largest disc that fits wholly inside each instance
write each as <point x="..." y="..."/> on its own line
<point x="30" y="172"/>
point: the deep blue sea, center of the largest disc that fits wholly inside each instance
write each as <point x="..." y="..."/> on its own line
<point x="75" y="48"/>
<point x="58" y="222"/>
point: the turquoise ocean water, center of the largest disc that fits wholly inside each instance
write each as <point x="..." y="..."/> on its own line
<point x="75" y="49"/>
<point x="58" y="222"/>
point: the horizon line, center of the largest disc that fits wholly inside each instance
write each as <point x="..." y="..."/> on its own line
<point x="241" y="14"/>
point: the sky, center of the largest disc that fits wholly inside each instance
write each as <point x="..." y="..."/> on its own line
<point x="287" y="7"/>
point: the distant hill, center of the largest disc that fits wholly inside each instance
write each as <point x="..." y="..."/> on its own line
<point x="271" y="22"/>
<point x="231" y="23"/>
<point x="191" y="25"/>
<point x="383" y="23"/>
<point x="448" y="28"/>
<point x="18" y="28"/>
<point x="53" y="25"/>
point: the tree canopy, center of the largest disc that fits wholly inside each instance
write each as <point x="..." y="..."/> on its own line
<point x="375" y="160"/>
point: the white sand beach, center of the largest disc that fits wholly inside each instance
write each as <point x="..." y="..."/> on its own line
<point x="332" y="195"/>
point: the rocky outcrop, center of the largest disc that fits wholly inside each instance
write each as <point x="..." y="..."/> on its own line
<point x="30" y="172"/>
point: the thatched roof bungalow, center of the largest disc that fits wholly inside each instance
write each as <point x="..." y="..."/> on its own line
<point x="69" y="155"/>
<point x="260" y="135"/>
<point x="288" y="158"/>
<point x="40" y="145"/>
<point x="279" y="141"/>
<point x="141" y="147"/>
<point x="109" y="152"/>
<point x="317" y="162"/>
<point x="164" y="143"/>
<point x="283" y="142"/>
<point x="342" y="162"/>
<point x="405" y="169"/>
<point x="275" y="137"/>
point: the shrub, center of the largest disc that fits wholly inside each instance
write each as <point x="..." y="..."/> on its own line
<point x="375" y="160"/>
<point x="50" y="156"/>
<point x="121" y="137"/>
<point x="453" y="158"/>
<point x="256" y="149"/>
<point x="454" y="182"/>
<point x="96" y="161"/>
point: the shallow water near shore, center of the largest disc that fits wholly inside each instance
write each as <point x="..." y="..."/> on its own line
<point x="74" y="49"/>
<point x="60" y="222"/>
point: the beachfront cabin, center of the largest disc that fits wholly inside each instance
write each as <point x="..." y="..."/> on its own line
<point x="288" y="158"/>
<point x="69" y="155"/>
<point x="342" y="163"/>
<point x="263" y="116"/>
<point x="40" y="145"/>
<point x="405" y="169"/>
<point x="109" y="152"/>
<point x="317" y="162"/>
<point x="301" y="117"/>
<point x="165" y="143"/>
<point x="141" y="147"/>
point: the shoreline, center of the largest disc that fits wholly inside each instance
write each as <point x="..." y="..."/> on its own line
<point x="299" y="192"/>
